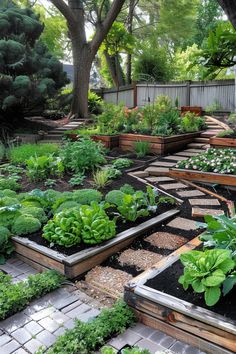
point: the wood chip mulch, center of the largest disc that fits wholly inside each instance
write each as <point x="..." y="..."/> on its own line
<point x="166" y="240"/>
<point x="141" y="259"/>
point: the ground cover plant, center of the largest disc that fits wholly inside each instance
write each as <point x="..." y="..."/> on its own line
<point x="16" y="296"/>
<point x="87" y="337"/>
<point x="19" y="154"/>
<point x="133" y="350"/>
<point x="221" y="161"/>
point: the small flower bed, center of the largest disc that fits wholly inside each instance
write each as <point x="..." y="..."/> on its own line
<point x="213" y="160"/>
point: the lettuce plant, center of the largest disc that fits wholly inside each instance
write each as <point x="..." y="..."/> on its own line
<point x="42" y="167"/>
<point x="206" y="271"/>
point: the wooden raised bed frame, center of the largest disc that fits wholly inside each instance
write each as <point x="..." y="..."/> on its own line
<point x="223" y="143"/>
<point x="41" y="257"/>
<point x="210" y="332"/>
<point x="158" y="145"/>
<point x="200" y="176"/>
<point x="109" y="141"/>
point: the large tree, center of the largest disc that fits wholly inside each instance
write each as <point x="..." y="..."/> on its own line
<point x="229" y="7"/>
<point x="76" y="13"/>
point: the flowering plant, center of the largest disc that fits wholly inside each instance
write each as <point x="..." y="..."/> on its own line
<point x="213" y="160"/>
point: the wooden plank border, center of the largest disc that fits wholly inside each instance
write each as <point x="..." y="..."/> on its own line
<point x="199" y="176"/>
<point x="75" y="265"/>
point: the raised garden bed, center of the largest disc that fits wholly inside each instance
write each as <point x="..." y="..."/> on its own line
<point x="76" y="264"/>
<point x="109" y="141"/>
<point x="158" y="145"/>
<point x="223" y="143"/>
<point x="200" y="176"/>
<point x="162" y="304"/>
<point x="193" y="109"/>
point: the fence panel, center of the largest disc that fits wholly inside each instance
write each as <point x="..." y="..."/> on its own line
<point x="124" y="95"/>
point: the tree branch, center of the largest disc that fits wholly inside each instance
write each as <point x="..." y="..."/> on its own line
<point x="104" y="27"/>
<point x="65" y="10"/>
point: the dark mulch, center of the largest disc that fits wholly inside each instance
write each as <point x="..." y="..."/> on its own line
<point x="226" y="306"/>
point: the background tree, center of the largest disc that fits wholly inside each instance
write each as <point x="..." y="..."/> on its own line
<point x="229" y="8"/>
<point x="76" y="13"/>
<point x="29" y="74"/>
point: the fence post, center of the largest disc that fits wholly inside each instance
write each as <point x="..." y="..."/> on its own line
<point x="188" y="95"/>
<point x="135" y="93"/>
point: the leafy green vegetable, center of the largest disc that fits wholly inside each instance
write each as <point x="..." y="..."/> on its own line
<point x="42" y="167"/>
<point x="221" y="232"/>
<point x="206" y="272"/>
<point x="6" y="246"/>
<point x="64" y="229"/>
<point x="10" y="183"/>
<point x="122" y="163"/>
<point x="25" y="224"/>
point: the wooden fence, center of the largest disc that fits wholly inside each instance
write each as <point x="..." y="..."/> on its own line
<point x="188" y="93"/>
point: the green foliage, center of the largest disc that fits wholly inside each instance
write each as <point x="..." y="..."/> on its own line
<point x="95" y="105"/>
<point x="77" y="179"/>
<point x="8" y="214"/>
<point x="62" y="205"/>
<point x="8" y="193"/>
<point x="19" y="154"/>
<point x="37" y="213"/>
<point x="25" y="224"/>
<point x="82" y="155"/>
<point x="191" y="123"/>
<point x="206" y="271"/>
<point x="113" y="173"/>
<point x="16" y="296"/>
<point x="96" y="224"/>
<point x="127" y="189"/>
<point x="184" y="59"/>
<point x="6" y="246"/>
<point x="101" y="178"/>
<point x="29" y="73"/>
<point x="168" y="123"/>
<point x="133" y="204"/>
<point x="86" y="196"/>
<point x="64" y="229"/>
<point x="167" y="200"/>
<point x="221" y="232"/>
<point x="142" y="148"/>
<point x="10" y="183"/>
<point x="225" y="133"/>
<point x="122" y="163"/>
<point x="88" y="223"/>
<point x="42" y="167"/>
<point x="87" y="337"/>
<point x="111" y="118"/>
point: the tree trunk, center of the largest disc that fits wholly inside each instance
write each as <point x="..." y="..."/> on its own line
<point x="130" y="31"/>
<point x="115" y="69"/>
<point x="82" y="62"/>
<point x="229" y="7"/>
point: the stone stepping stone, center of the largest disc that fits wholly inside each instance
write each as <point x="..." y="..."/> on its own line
<point x="173" y="186"/>
<point x="198" y="151"/>
<point x="141" y="174"/>
<point x="186" y="154"/>
<point x="196" y="145"/>
<point x="203" y="201"/>
<point x="191" y="193"/>
<point x="163" y="164"/>
<point x="157" y="171"/>
<point x="108" y="279"/>
<point x="199" y="212"/>
<point x="141" y="259"/>
<point x="176" y="158"/>
<point x="159" y="179"/>
<point x="183" y="224"/>
<point x="166" y="240"/>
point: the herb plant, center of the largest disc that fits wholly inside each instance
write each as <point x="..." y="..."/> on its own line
<point x="83" y="155"/>
<point x="40" y="168"/>
<point x="101" y="178"/>
<point x="77" y="179"/>
<point x="122" y="163"/>
<point x="142" y="148"/>
<point x="206" y="271"/>
<point x="15" y="297"/>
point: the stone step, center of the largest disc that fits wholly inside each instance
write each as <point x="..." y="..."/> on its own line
<point x="166" y="240"/>
<point x="140" y="259"/>
<point x="159" y="179"/>
<point x="163" y="164"/>
<point x="197" y="151"/>
<point x="183" y="224"/>
<point x="173" y="186"/>
<point x="204" y="201"/>
<point x="209" y="134"/>
<point x="187" y="154"/>
<point x="212" y="126"/>
<point x="196" y="145"/>
<point x="175" y="158"/>
<point x="201" y="212"/>
<point x="202" y="140"/>
<point x="157" y="171"/>
<point x="108" y="280"/>
<point x="191" y="193"/>
<point x="140" y="174"/>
